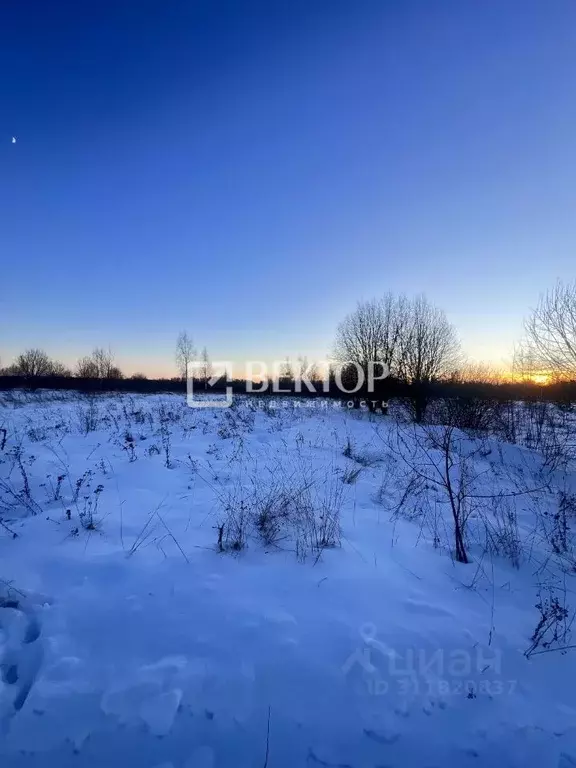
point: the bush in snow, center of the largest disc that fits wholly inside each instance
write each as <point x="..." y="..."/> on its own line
<point x="553" y="630"/>
<point x="88" y="416"/>
<point x="296" y="505"/>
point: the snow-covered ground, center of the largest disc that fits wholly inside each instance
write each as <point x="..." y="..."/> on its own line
<point x="333" y="630"/>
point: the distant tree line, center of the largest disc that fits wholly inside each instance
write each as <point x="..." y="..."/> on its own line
<point x="35" y="363"/>
<point x="562" y="392"/>
<point x="411" y="336"/>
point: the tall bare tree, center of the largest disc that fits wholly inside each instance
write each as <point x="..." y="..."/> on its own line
<point x="429" y="350"/>
<point x="32" y="363"/>
<point x="206" y="368"/>
<point x="104" y="359"/>
<point x="429" y="346"/>
<point x="304" y="369"/>
<point x="551" y="330"/>
<point x="185" y="353"/>
<point x="286" y="370"/>
<point x="87" y="368"/>
<point x="373" y="332"/>
<point x="98" y="365"/>
<point x="412" y="337"/>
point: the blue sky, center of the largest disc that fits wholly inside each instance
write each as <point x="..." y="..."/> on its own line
<point x="249" y="170"/>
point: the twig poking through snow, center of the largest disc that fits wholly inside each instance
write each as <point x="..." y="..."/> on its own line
<point x="267" y="740"/>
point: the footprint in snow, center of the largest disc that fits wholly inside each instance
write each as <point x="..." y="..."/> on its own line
<point x="314" y="760"/>
<point x="388" y="737"/>
<point x="20" y="653"/>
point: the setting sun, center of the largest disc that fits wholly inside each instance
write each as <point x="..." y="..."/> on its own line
<point x="541" y="378"/>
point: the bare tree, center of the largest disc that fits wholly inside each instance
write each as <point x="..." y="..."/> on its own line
<point x="32" y="363"/>
<point x="525" y="363"/>
<point x="104" y="359"/>
<point x="286" y="371"/>
<point x="59" y="369"/>
<point x="430" y="349"/>
<point x="98" y="365"/>
<point x="435" y="467"/>
<point x="551" y="330"/>
<point x="185" y="353"/>
<point x="303" y="369"/>
<point x="373" y="332"/>
<point x="412" y="337"/>
<point x="477" y="373"/>
<point x="87" y="368"/>
<point x="206" y="369"/>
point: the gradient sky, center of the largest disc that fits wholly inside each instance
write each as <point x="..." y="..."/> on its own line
<point x="249" y="170"/>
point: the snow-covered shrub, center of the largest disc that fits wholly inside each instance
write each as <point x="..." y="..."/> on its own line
<point x="267" y="406"/>
<point x="54" y="491"/>
<point x="235" y="421"/>
<point x="316" y="515"/>
<point x="129" y="445"/>
<point x="292" y="505"/>
<point x="502" y="536"/>
<point x="438" y="467"/>
<point x="556" y="524"/>
<point x="37" y="434"/>
<point x="89" y="513"/>
<point x="550" y="431"/>
<point x="234" y="521"/>
<point x="16" y="495"/>
<point x="364" y="457"/>
<point x="508" y="420"/>
<point x="166" y="437"/>
<point x="88" y="416"/>
<point x="272" y="514"/>
<point x="350" y="475"/>
<point x="470" y="414"/>
<point x="553" y="630"/>
<point x="437" y="461"/>
<point x="83" y="482"/>
<point x="348" y="449"/>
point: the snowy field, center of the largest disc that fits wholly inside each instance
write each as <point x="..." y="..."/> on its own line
<point x="278" y="587"/>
